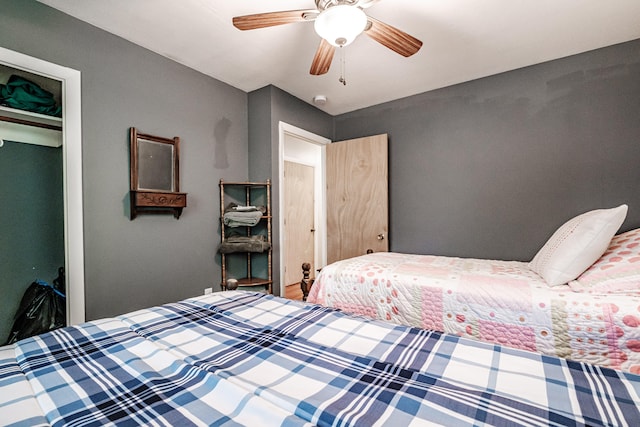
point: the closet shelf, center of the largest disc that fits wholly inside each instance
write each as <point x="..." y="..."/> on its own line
<point x="30" y="119"/>
<point x="31" y="128"/>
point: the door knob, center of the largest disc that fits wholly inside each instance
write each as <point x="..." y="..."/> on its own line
<point x="381" y="236"/>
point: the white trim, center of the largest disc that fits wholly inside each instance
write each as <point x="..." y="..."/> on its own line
<point x="293" y="159"/>
<point x="72" y="172"/>
<point x="320" y="208"/>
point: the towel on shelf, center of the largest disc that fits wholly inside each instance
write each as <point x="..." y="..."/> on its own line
<point x="244" y="244"/>
<point x="242" y="216"/>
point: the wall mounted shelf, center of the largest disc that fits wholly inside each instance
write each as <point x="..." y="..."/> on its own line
<point x="155" y="175"/>
<point x="157" y="202"/>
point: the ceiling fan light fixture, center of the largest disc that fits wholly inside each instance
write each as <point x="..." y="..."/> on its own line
<point x="341" y="24"/>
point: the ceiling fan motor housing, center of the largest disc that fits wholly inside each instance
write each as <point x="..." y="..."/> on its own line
<point x="324" y="4"/>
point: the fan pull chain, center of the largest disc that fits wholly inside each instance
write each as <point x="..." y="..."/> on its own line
<point x="342" y="78"/>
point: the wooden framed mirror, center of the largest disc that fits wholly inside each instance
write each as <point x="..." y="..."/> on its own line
<point x="155" y="177"/>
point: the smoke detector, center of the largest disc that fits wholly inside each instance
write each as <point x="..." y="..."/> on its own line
<point x="320" y="100"/>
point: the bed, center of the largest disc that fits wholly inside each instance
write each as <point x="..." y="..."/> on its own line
<point x="246" y="358"/>
<point x="590" y="313"/>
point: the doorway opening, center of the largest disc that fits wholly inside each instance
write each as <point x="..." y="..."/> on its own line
<point x="71" y="172"/>
<point x="301" y="151"/>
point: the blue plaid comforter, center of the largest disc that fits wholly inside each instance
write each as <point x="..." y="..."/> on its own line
<point x="238" y="358"/>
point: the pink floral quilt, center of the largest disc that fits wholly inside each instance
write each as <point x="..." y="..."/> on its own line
<point x="495" y="301"/>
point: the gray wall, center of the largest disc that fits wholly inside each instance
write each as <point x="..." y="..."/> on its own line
<point x="153" y="259"/>
<point x="490" y="168"/>
<point x="32" y="225"/>
<point x="267" y="108"/>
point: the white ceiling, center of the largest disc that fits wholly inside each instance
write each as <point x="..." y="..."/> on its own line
<point x="463" y="40"/>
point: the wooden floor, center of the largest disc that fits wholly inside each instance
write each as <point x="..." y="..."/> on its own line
<point x="293" y="292"/>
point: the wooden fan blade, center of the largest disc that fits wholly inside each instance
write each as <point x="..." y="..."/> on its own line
<point x="271" y="19"/>
<point x="393" y="38"/>
<point x="322" y="60"/>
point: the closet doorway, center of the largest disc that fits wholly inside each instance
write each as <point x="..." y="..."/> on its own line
<point x="71" y="158"/>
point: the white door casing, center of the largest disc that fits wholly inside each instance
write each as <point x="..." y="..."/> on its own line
<point x="299" y="145"/>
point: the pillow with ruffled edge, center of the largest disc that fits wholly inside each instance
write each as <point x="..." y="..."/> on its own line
<point x="617" y="270"/>
<point x="577" y="244"/>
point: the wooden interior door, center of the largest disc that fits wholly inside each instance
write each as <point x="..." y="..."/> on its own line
<point x="299" y="229"/>
<point x="357" y="197"/>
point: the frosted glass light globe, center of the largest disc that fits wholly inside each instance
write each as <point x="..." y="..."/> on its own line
<point x="340" y="25"/>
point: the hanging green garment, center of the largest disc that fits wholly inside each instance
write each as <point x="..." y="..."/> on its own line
<point x="23" y="94"/>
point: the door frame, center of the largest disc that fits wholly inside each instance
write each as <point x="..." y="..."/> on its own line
<point x="71" y="172"/>
<point x="319" y="184"/>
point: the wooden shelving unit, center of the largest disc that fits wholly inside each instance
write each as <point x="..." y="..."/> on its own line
<point x="257" y="266"/>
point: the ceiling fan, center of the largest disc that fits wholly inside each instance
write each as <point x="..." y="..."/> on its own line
<point x="338" y="22"/>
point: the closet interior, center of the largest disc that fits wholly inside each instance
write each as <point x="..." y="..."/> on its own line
<point x="32" y="209"/>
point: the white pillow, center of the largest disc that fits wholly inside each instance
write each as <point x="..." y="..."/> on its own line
<point x="577" y="244"/>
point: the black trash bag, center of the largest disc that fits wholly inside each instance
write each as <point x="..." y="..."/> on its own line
<point x="42" y="309"/>
<point x="59" y="282"/>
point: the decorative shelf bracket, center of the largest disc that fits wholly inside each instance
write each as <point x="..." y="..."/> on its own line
<point x="156" y="202"/>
